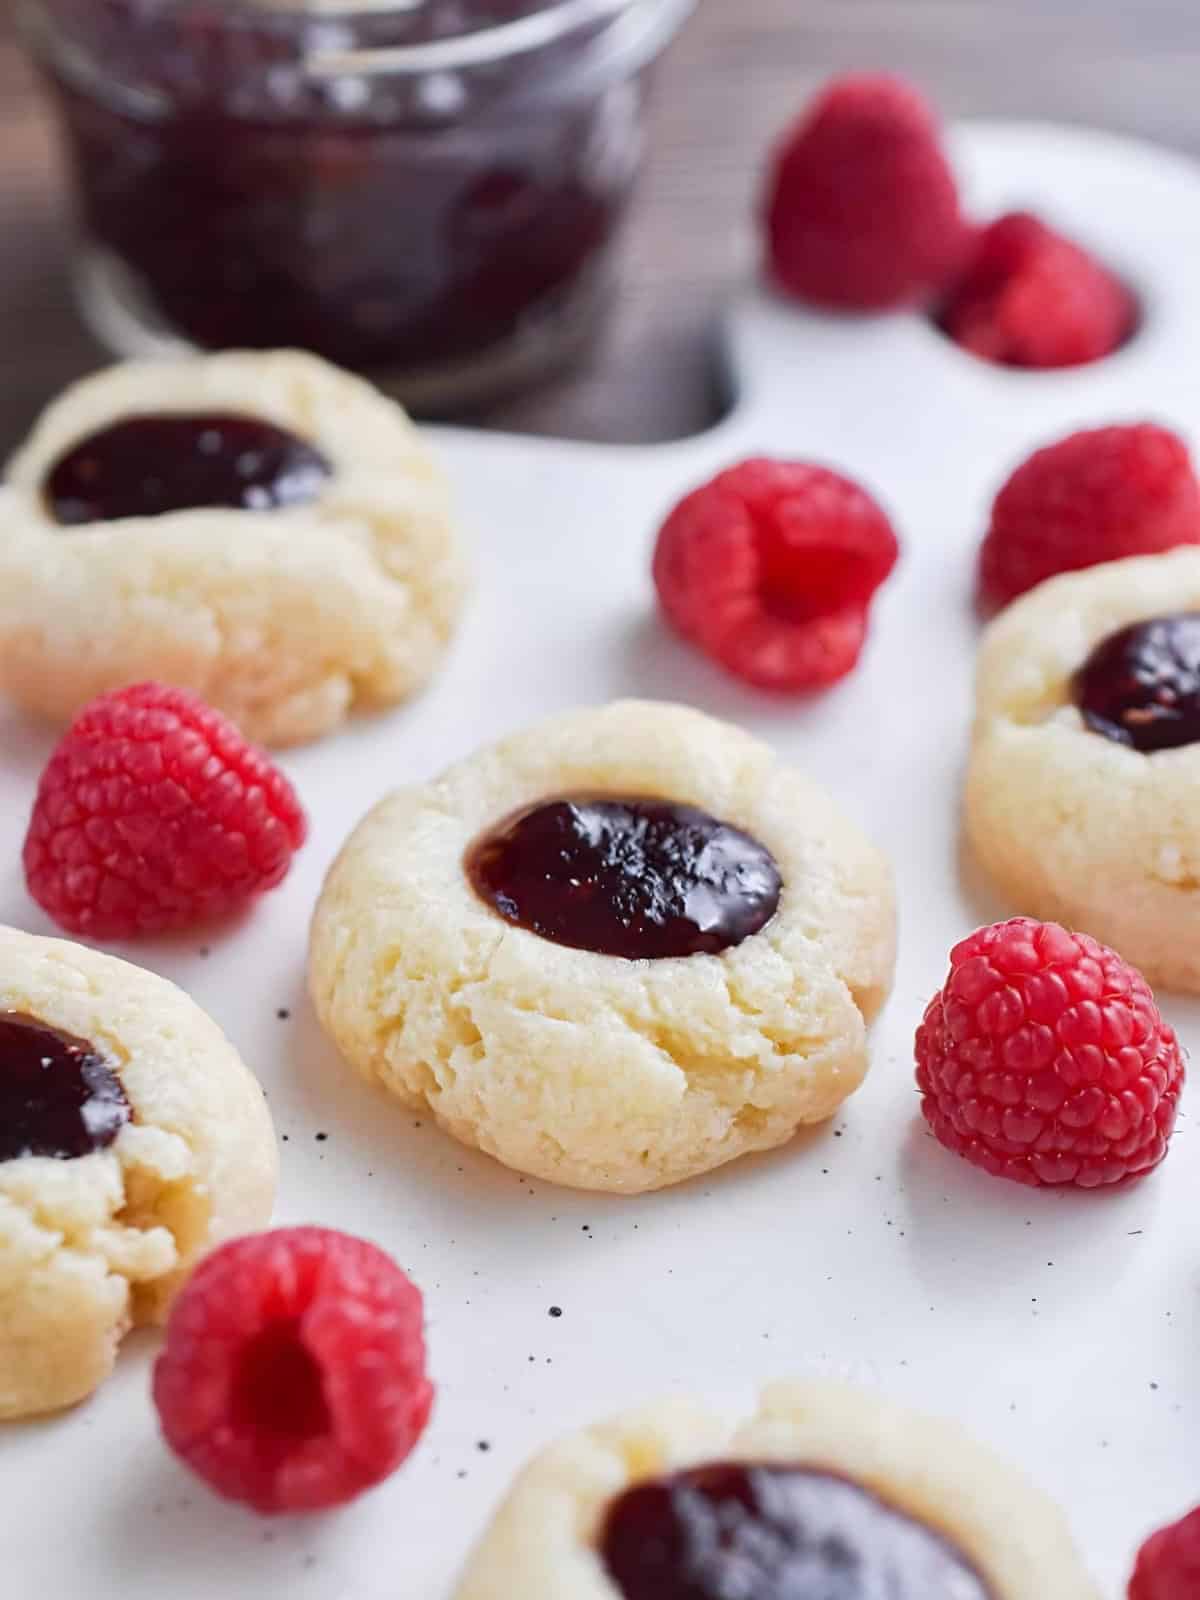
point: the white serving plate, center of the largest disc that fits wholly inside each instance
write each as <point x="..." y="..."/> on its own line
<point x="1064" y="1328"/>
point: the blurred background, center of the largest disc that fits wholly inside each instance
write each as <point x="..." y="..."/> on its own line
<point x="738" y="72"/>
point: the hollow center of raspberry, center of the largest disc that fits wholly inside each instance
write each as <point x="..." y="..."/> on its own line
<point x="639" y="878"/>
<point x="1141" y="685"/>
<point x="278" y="1387"/>
<point x="775" y="1532"/>
<point x="798" y="586"/>
<point x="148" y="466"/>
<point x="59" y="1097"/>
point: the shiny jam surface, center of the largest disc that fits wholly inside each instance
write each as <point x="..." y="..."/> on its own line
<point x="1141" y="686"/>
<point x="775" y="1532"/>
<point x="58" y="1095"/>
<point x="393" y="223"/>
<point x="639" y="878"/>
<point x="146" y="466"/>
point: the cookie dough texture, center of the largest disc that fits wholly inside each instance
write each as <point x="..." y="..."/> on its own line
<point x="585" y="1069"/>
<point x="284" y="619"/>
<point x="542" y="1544"/>
<point x="92" y="1246"/>
<point x="1068" y="824"/>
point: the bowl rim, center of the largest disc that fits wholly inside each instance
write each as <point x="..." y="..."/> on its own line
<point x="645" y="27"/>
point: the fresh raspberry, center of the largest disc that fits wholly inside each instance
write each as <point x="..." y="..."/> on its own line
<point x="862" y="209"/>
<point x="1044" y="1059"/>
<point x="1168" y="1564"/>
<point x="1031" y="298"/>
<point x="1094" y="496"/>
<point x="770" y="569"/>
<point x="293" y="1375"/>
<point x="154" y="813"/>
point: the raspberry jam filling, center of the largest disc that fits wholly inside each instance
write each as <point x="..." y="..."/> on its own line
<point x="775" y="1532"/>
<point x="58" y="1096"/>
<point x="147" y="466"/>
<point x="1141" y="686"/>
<point x="639" y="878"/>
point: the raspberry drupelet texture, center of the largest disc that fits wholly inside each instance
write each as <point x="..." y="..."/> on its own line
<point x="1168" y="1564"/>
<point x="1044" y="1058"/>
<point x="862" y="209"/>
<point x="770" y="569"/>
<point x="154" y="814"/>
<point x="1098" y="495"/>
<point x="293" y="1375"/>
<point x="1029" y="297"/>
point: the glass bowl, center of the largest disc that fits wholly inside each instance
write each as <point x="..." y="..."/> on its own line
<point x="427" y="192"/>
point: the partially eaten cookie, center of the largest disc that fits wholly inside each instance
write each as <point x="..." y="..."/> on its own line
<point x="132" y="1139"/>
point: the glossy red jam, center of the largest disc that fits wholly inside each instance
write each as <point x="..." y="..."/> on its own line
<point x="775" y="1532"/>
<point x="638" y="878"/>
<point x="148" y="466"/>
<point x="1141" y="686"/>
<point x="58" y="1095"/>
<point x="252" y="193"/>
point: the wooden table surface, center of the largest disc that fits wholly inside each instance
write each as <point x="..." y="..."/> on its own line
<point x="738" y="72"/>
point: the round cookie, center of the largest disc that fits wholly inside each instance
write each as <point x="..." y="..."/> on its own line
<point x="1072" y="825"/>
<point x="145" y="1142"/>
<point x="883" y="1494"/>
<point x="285" y="617"/>
<point x="586" y="1068"/>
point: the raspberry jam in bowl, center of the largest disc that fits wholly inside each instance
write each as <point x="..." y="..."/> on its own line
<point x="427" y="191"/>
